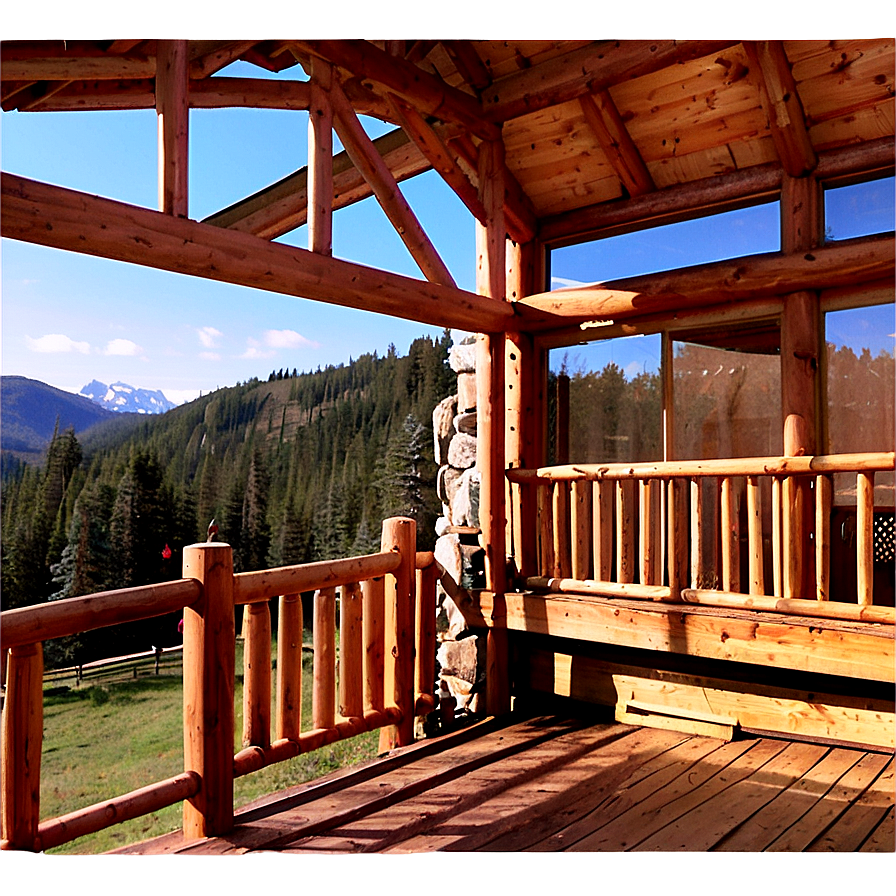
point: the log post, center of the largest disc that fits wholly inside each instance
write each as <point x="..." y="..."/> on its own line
<point x="650" y="541"/>
<point x="289" y="667"/>
<point x="730" y="536"/>
<point x="173" y="112"/>
<point x="677" y="556"/>
<point x="823" y="500"/>
<point x="602" y="531"/>
<point x="796" y="444"/>
<point x="425" y="627"/>
<point x="320" y="160"/>
<point x="23" y="726"/>
<point x="351" y="652"/>
<point x="209" y="644"/>
<point x="754" y="536"/>
<point x="257" y="676"/>
<point x="544" y="494"/>
<point x="581" y="529"/>
<point x="777" y="536"/>
<point x="400" y="535"/>
<point x="865" y="537"/>
<point x="625" y="535"/>
<point x="373" y="621"/>
<point x="560" y="513"/>
<point x="323" y="693"/>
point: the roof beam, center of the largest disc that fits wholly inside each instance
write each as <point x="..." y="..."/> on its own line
<point x="780" y="100"/>
<point x="608" y="127"/>
<point x="469" y="64"/>
<point x="67" y="219"/>
<point x="101" y="67"/>
<point x="208" y="57"/>
<point x="586" y="70"/>
<point x="745" y="278"/>
<point x="427" y="93"/>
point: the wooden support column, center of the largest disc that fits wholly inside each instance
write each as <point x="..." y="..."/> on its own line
<point x="400" y="534"/>
<point x="323" y="694"/>
<point x="257" y="676"/>
<point x="491" y="280"/>
<point x="173" y="111"/>
<point x="351" y="652"/>
<point x="320" y="161"/>
<point x="373" y="622"/>
<point x="23" y="726"/>
<point x="209" y="657"/>
<point x="289" y="667"/>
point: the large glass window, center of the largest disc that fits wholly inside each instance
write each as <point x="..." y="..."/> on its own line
<point x="859" y="209"/>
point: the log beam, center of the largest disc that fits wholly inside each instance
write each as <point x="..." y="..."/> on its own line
<point x="370" y="163"/>
<point x="320" y="162"/>
<point x="67" y="219"/>
<point x="781" y="102"/>
<point x="208" y="57"/>
<point x="749" y="277"/>
<point x="427" y="93"/>
<point x="596" y="66"/>
<point x="617" y="145"/>
<point x="173" y="112"/>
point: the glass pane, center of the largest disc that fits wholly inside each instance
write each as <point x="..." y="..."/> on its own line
<point x="859" y="209"/>
<point x="861" y="381"/>
<point x="702" y="240"/>
<point x="726" y="403"/>
<point x="615" y="401"/>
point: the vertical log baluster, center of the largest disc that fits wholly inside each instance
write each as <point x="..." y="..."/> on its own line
<point x="527" y="561"/>
<point x="625" y="535"/>
<point x="23" y="725"/>
<point x="677" y="554"/>
<point x="697" y="573"/>
<point x="581" y="530"/>
<point x="257" y="676"/>
<point x="209" y="659"/>
<point x="425" y="627"/>
<point x="545" y="496"/>
<point x="730" y="535"/>
<point x="351" y="652"/>
<point x="602" y="536"/>
<point x="649" y="532"/>
<point x="823" y="502"/>
<point x="373" y="621"/>
<point x="777" y="536"/>
<point x="400" y="534"/>
<point x="794" y="512"/>
<point x="323" y="694"/>
<point x="754" y="536"/>
<point x="865" y="537"/>
<point x="289" y="667"/>
<point x="560" y="512"/>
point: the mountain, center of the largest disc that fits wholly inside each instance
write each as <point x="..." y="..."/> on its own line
<point x="122" y="398"/>
<point x="29" y="411"/>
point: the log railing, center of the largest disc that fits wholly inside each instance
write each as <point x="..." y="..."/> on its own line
<point x="693" y="531"/>
<point x="373" y="680"/>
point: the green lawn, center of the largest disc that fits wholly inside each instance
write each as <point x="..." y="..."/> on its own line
<point x="104" y="740"/>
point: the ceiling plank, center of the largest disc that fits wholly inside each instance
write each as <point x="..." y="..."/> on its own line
<point x="370" y="163"/>
<point x="748" y="277"/>
<point x="605" y="121"/>
<point x="585" y="70"/>
<point x="426" y="92"/>
<point x="440" y="157"/>
<point x="67" y="219"/>
<point x="781" y="102"/>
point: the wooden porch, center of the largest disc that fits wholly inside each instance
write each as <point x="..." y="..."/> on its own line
<point x="576" y="782"/>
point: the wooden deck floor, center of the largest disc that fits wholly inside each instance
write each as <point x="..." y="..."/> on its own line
<point x="551" y="783"/>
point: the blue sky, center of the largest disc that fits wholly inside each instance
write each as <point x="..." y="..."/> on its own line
<point x="69" y="318"/>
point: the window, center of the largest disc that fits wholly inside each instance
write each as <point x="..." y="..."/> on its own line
<point x="859" y="209"/>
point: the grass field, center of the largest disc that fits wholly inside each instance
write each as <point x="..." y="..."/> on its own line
<point x="103" y="740"/>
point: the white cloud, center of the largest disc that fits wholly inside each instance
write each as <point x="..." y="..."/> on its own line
<point x="56" y="343"/>
<point x="564" y="283"/>
<point x="255" y="351"/>
<point x="209" y="356"/>
<point x="123" y="347"/>
<point x="287" y="339"/>
<point x="209" y="336"/>
<point x="180" y="396"/>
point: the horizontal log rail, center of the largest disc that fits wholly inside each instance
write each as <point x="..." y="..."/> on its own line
<point x="379" y="676"/>
<point x="747" y="533"/>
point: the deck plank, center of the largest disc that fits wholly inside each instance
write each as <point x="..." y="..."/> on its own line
<point x="860" y="819"/>
<point x="883" y="837"/>
<point x="799" y="836"/>
<point x="706" y="824"/>
<point x="789" y="805"/>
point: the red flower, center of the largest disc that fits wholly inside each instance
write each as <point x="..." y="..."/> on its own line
<point x="167" y="553"/>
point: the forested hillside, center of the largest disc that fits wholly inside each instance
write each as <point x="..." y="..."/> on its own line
<point x="299" y="468"/>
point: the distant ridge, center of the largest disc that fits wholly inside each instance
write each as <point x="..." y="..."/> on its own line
<point x="29" y="410"/>
<point x="122" y="398"/>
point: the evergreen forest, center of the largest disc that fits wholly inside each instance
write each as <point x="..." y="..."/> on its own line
<point x="299" y="468"/>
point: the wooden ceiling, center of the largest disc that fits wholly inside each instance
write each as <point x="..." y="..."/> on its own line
<point x="585" y="124"/>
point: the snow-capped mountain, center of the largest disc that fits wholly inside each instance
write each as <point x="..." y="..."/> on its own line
<point x="127" y="399"/>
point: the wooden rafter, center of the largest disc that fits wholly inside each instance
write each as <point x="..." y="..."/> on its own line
<point x="100" y="67"/>
<point x="441" y="158"/>
<point x="750" y="277"/>
<point x="67" y="219"/>
<point x="172" y="109"/>
<point x="470" y="67"/>
<point x="582" y="71"/>
<point x="608" y="127"/>
<point x="208" y="57"/>
<point x="40" y="93"/>
<point x="781" y="101"/>
<point x="283" y="206"/>
<point x="424" y="91"/>
<point x="370" y="163"/>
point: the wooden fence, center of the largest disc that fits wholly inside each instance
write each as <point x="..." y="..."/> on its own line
<point x="384" y="676"/>
<point x="675" y="532"/>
